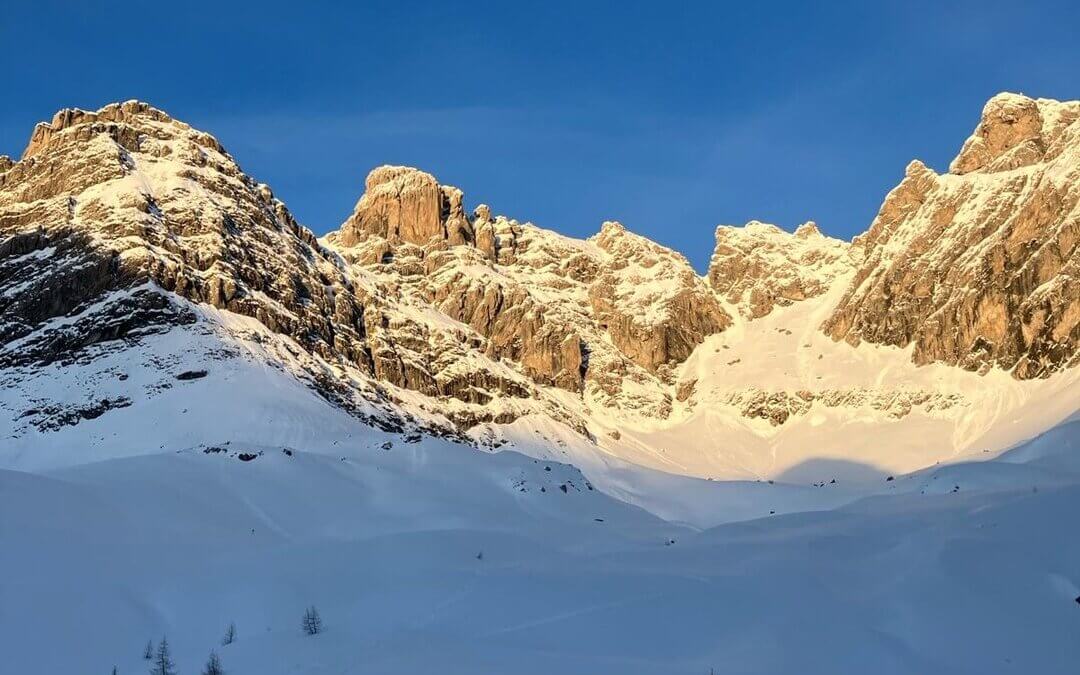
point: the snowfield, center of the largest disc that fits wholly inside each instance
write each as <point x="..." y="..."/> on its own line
<point x="434" y="557"/>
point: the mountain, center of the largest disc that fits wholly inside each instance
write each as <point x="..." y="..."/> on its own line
<point x="978" y="267"/>
<point x="475" y="442"/>
<point x="759" y="266"/>
<point x="418" y="317"/>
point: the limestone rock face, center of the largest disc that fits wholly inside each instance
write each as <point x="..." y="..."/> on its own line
<point x="484" y="230"/>
<point x="758" y="267"/>
<point x="516" y="325"/>
<point x="980" y="268"/>
<point x="651" y="302"/>
<point x="777" y="407"/>
<point x="1010" y="135"/>
<point x="130" y="195"/>
<point x="405" y="204"/>
<point x="601" y="318"/>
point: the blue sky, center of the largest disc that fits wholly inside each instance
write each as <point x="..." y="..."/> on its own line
<point x="671" y="117"/>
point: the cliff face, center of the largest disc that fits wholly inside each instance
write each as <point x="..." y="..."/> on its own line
<point x="401" y="204"/>
<point x="759" y="266"/>
<point x="654" y="307"/>
<point x="125" y="195"/>
<point x="979" y="268"/>
<point x="602" y="317"/>
<point x="127" y="198"/>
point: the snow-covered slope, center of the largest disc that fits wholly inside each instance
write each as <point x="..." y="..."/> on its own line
<point x="775" y="398"/>
<point x="430" y="556"/>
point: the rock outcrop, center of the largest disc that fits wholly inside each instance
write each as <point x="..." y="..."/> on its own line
<point x="758" y="267"/>
<point x="125" y="195"/>
<point x="597" y="317"/>
<point x="651" y="302"/>
<point x="777" y="407"/>
<point x="980" y="268"/>
<point x="1011" y="135"/>
<point x="402" y="204"/>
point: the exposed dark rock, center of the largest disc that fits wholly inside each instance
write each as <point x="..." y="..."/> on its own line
<point x="55" y="416"/>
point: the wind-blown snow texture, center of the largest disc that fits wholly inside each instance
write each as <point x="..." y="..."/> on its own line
<point x="480" y="446"/>
<point x="432" y="556"/>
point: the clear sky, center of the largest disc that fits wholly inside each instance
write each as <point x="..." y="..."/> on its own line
<point x="671" y="117"/>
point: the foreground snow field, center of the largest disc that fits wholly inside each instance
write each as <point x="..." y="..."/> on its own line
<point x="427" y="558"/>
<point x="429" y="555"/>
<point x="424" y="554"/>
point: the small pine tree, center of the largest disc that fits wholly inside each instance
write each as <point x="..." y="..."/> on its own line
<point x="163" y="663"/>
<point x="148" y="653"/>
<point x="312" y="622"/>
<point x="213" y="665"/>
<point x="230" y="635"/>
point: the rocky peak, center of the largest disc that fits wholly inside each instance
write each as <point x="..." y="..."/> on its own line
<point x="134" y="196"/>
<point x="652" y="303"/>
<point x="482" y="213"/>
<point x="597" y="317"/>
<point x="625" y="246"/>
<point x="111" y="119"/>
<point x="609" y="230"/>
<point x="807" y="230"/>
<point x="404" y="204"/>
<point x="760" y="266"/>
<point x="1014" y="131"/>
<point x="979" y="267"/>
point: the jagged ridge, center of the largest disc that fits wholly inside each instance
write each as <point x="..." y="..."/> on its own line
<point x="490" y="319"/>
<point x="979" y="268"/>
